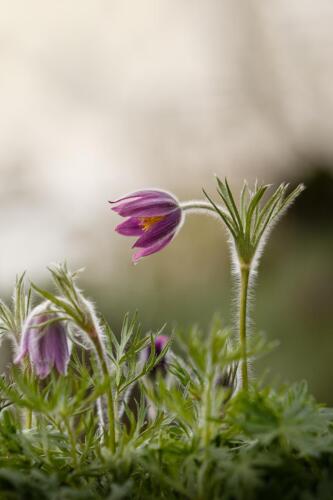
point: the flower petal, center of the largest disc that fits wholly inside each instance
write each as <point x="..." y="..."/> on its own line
<point x="160" y="230"/>
<point x="144" y="193"/>
<point x="61" y="353"/>
<point x="131" y="227"/>
<point x="41" y="352"/>
<point x="160" y="342"/>
<point x="24" y="346"/>
<point x="146" y="208"/>
<point x="42" y="370"/>
<point x="156" y="247"/>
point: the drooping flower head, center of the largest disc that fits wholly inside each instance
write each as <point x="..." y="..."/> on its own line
<point x="152" y="215"/>
<point x="44" y="340"/>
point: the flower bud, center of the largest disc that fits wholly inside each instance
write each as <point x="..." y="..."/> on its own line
<point x="227" y="381"/>
<point x="160" y="343"/>
<point x="44" y="341"/>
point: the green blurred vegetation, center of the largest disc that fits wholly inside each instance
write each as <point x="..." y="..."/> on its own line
<point x="188" y="436"/>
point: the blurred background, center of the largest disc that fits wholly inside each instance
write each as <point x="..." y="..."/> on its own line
<point x="101" y="97"/>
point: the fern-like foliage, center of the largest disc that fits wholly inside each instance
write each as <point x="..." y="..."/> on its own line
<point x="250" y="221"/>
<point x="187" y="432"/>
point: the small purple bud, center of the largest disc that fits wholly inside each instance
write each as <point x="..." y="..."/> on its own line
<point x="160" y="343"/>
<point x="227" y="380"/>
<point x="44" y="340"/>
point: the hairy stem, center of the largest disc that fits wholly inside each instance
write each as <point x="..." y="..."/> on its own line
<point x="243" y="299"/>
<point x="72" y="440"/>
<point x="198" y="205"/>
<point x="28" y="419"/>
<point x="208" y="411"/>
<point x="194" y="205"/>
<point x="110" y="436"/>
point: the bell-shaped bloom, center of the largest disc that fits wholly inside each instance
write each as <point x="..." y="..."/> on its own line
<point x="44" y="341"/>
<point x="153" y="216"/>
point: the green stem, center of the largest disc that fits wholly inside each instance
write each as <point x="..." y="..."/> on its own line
<point x="245" y="274"/>
<point x="72" y="441"/>
<point x="208" y="411"/>
<point x="28" y="412"/>
<point x="28" y="419"/>
<point x="110" y="436"/>
<point x="193" y="206"/>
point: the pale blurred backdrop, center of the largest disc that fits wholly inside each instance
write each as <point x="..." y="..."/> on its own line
<point x="98" y="98"/>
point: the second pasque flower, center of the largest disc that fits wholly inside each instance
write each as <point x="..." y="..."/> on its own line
<point x="44" y="340"/>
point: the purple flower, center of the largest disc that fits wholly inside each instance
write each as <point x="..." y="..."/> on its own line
<point x="152" y="215"/>
<point x="44" y="340"/>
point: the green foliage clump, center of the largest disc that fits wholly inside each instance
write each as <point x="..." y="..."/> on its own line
<point x="185" y="432"/>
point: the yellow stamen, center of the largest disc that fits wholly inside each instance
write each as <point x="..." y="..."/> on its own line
<point x="147" y="222"/>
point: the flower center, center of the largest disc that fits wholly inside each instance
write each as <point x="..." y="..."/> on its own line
<point x="147" y="222"/>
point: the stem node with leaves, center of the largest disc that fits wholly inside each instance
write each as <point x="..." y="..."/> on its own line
<point x="249" y="224"/>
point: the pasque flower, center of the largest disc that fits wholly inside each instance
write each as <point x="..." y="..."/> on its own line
<point x="152" y="215"/>
<point x="44" y="340"/>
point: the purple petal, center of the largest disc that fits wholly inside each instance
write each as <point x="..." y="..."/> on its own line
<point x="19" y="357"/>
<point x="131" y="227"/>
<point x="144" y="193"/>
<point x="40" y="352"/>
<point x="159" y="230"/>
<point x="42" y="370"/>
<point x="61" y="355"/>
<point x="160" y="343"/>
<point x="24" y="346"/>
<point x="26" y="335"/>
<point x="146" y="208"/>
<point x="156" y="247"/>
<point x="46" y="344"/>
